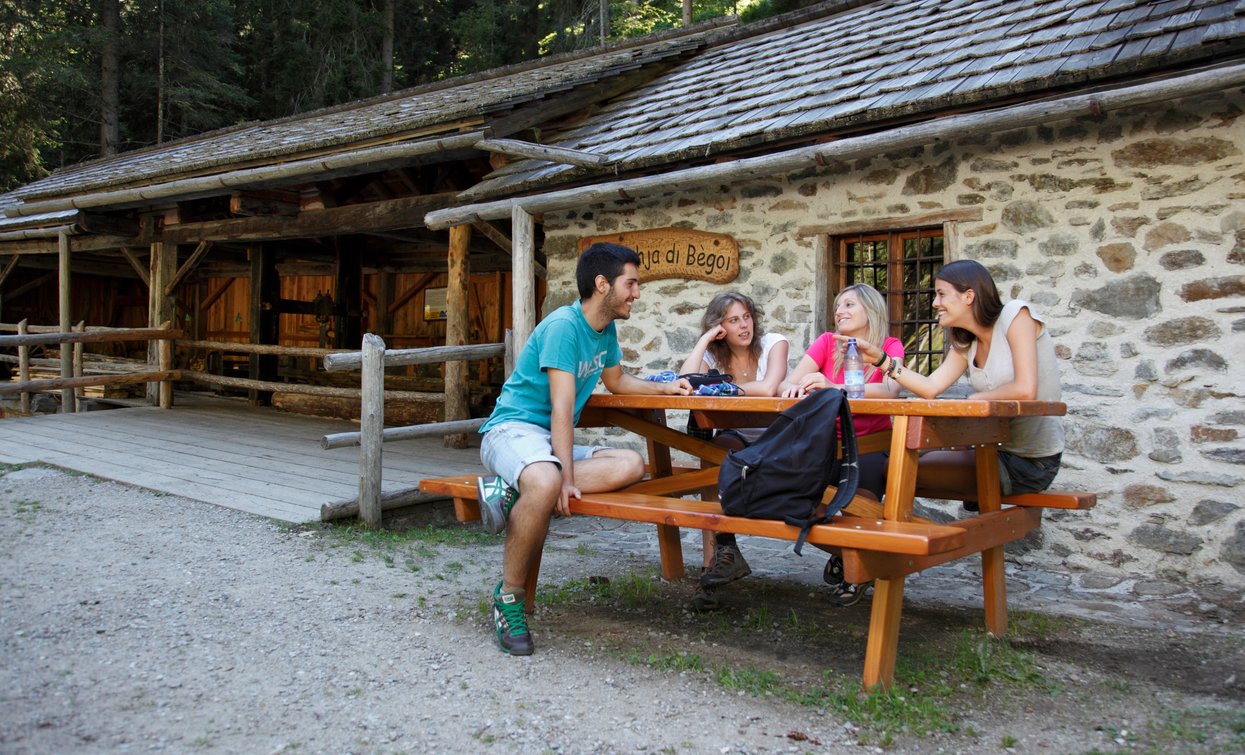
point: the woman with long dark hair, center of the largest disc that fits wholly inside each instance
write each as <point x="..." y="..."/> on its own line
<point x="1008" y="353"/>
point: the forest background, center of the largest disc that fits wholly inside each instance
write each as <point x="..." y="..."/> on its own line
<point x="80" y="79"/>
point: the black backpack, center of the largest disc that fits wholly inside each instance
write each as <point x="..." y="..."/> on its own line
<point x="785" y="472"/>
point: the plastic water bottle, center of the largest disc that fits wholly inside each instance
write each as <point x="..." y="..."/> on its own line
<point x="853" y="371"/>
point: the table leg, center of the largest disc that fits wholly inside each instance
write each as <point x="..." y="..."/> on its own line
<point x="658" y="453"/>
<point x="993" y="575"/>
<point x="671" y="547"/>
<point x="883" y="643"/>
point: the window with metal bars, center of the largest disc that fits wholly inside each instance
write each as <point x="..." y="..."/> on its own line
<point x="901" y="265"/>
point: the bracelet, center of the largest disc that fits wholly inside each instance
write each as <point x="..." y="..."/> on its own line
<point x="894" y="369"/>
<point x="881" y="359"/>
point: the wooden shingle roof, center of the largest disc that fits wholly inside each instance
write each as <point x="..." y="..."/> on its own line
<point x="429" y="111"/>
<point x="878" y="63"/>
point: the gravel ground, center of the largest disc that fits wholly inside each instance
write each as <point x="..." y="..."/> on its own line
<point x="135" y="621"/>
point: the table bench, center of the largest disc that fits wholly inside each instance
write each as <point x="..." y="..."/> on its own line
<point x="879" y="542"/>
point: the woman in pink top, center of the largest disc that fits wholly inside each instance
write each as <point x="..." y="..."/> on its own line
<point x="860" y="313"/>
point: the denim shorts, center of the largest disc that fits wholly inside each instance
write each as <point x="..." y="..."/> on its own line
<point x="509" y="448"/>
<point x="1018" y="474"/>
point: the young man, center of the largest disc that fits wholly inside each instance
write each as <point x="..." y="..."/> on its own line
<point x="529" y="439"/>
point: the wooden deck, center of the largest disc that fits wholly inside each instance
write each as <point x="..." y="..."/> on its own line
<point x="225" y="452"/>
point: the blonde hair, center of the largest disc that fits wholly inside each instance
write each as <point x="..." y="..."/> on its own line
<point x="875" y="314"/>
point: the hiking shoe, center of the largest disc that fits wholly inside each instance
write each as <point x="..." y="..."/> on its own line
<point x="496" y="499"/>
<point x="728" y="565"/>
<point x="842" y="594"/>
<point x="705" y="599"/>
<point x="511" y="622"/>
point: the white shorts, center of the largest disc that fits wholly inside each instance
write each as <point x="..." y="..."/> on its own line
<point x="510" y="447"/>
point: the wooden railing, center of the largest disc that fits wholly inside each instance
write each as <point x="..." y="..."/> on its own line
<point x="281" y="387"/>
<point x="372" y="434"/>
<point x="74" y="365"/>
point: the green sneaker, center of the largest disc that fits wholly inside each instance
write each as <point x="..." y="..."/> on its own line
<point x="496" y="499"/>
<point x="511" y="622"/>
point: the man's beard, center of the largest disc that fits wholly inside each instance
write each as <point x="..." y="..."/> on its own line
<point x="617" y="306"/>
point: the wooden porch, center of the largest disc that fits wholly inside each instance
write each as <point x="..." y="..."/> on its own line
<point x="225" y="452"/>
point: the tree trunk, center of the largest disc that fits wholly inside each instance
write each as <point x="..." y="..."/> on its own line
<point x="386" y="54"/>
<point x="110" y="79"/>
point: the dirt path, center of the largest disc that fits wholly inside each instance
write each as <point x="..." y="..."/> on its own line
<point x="134" y="621"/>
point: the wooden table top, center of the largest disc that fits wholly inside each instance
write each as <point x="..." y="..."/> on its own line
<point x="893" y="407"/>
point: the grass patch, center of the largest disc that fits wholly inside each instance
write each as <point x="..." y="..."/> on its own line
<point x="408" y="546"/>
<point x="631" y="590"/>
<point x="1211" y="729"/>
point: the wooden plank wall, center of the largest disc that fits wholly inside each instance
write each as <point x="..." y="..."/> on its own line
<point x="228" y="319"/>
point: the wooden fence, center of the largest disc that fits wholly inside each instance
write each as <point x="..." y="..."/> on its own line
<point x="372" y="434"/>
<point x="74" y="367"/>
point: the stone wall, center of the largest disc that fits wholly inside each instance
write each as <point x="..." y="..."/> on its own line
<point x="1126" y="231"/>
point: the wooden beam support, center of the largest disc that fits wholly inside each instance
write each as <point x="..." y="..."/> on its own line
<point x="160" y="307"/>
<point x="545" y="152"/>
<point x="186" y="269"/>
<point x="9" y="267"/>
<point x="265" y="203"/>
<point x="139" y="267"/>
<point x="457" y="327"/>
<point x="494" y="234"/>
<point x="523" y="278"/>
<point x="265" y="320"/>
<point x="412" y="291"/>
<point x="69" y="400"/>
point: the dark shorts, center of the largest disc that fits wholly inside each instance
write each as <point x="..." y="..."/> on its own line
<point x="1018" y="474"/>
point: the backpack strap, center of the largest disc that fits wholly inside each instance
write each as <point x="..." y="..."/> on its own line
<point x="849" y="478"/>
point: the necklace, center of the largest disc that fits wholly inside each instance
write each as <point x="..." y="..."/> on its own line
<point x="743" y="371"/>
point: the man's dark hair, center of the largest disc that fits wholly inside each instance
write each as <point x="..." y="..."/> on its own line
<point x="602" y="259"/>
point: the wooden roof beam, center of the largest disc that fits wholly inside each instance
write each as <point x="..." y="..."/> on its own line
<point x="545" y="152"/>
<point x="390" y="215"/>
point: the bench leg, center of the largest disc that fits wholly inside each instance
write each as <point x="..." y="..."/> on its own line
<point x="671" y="546"/>
<point x="883" y="643"/>
<point x="467" y="509"/>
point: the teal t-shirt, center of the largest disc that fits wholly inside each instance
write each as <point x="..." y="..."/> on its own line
<point x="564" y="341"/>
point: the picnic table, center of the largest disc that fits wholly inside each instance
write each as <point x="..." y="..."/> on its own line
<point x="879" y="542"/>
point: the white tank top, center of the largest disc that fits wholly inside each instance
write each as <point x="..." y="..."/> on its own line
<point x="1032" y="437"/>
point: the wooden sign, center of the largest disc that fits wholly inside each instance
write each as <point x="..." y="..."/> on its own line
<point x="678" y="253"/>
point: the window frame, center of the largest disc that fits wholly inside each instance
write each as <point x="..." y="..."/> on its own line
<point x="838" y="246"/>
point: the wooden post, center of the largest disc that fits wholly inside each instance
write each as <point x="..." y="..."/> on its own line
<point x="79" y="393"/>
<point x="383" y="324"/>
<point x="348" y="297"/>
<point x="457" y="327"/>
<point x="163" y="265"/>
<point x="371" y="429"/>
<point x="23" y="367"/>
<point x="166" y="365"/>
<point x="68" y="400"/>
<point x="265" y="320"/>
<point x="523" y="276"/>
